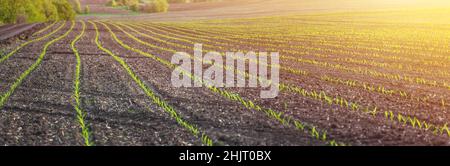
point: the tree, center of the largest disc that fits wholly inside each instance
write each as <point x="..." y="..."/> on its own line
<point x="14" y="11"/>
<point x="161" y="5"/>
<point x="156" y="6"/>
<point x="9" y="10"/>
<point x="50" y="10"/>
<point x="65" y="10"/>
<point x="32" y="11"/>
<point x="134" y="7"/>
<point x="76" y="5"/>
<point x="86" y="9"/>
<point x="127" y="2"/>
<point x="112" y="3"/>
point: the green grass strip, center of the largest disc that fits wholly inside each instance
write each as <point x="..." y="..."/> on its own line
<point x="29" y="42"/>
<point x="5" y="96"/>
<point x="81" y="115"/>
<point x="157" y="100"/>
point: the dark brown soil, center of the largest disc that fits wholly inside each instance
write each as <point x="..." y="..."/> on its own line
<point x="41" y="110"/>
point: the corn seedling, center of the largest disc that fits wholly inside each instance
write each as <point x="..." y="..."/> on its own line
<point x="81" y="115"/>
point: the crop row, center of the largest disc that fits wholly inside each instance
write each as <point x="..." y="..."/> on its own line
<point x="148" y="91"/>
<point x="338" y="46"/>
<point x="339" y="101"/>
<point x="390" y="77"/>
<point x="396" y="66"/>
<point x="401" y="77"/>
<point x="322" y="42"/>
<point x="286" y="30"/>
<point x="324" y="48"/>
<point x="278" y="116"/>
<point x="412" y="121"/>
<point x="385" y="91"/>
<point x="371" y="88"/>
<point x="300" y="72"/>
<point x="131" y="27"/>
<point x="2" y="59"/>
<point x="81" y="114"/>
<point x="5" y="96"/>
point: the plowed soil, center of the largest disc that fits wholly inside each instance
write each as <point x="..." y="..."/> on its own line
<point x="119" y="112"/>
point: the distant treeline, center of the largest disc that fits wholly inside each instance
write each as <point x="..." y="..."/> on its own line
<point x="146" y="6"/>
<point x="20" y="11"/>
<point x="150" y="6"/>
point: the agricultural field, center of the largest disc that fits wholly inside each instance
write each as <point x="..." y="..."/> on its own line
<point x="374" y="76"/>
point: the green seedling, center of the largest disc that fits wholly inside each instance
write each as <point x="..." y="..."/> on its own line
<point x="81" y="115"/>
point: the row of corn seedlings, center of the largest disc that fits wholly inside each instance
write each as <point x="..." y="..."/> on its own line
<point x="81" y="114"/>
<point x="367" y="87"/>
<point x="400" y="77"/>
<point x="284" y="40"/>
<point x="296" y="53"/>
<point x="279" y="116"/>
<point x="322" y="96"/>
<point x="5" y="96"/>
<point x="370" y="87"/>
<point x="156" y="99"/>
